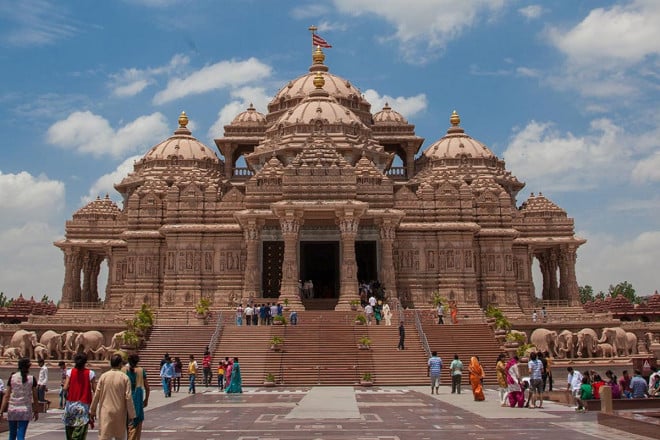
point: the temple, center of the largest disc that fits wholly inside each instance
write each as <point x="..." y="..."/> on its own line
<point x="322" y="189"/>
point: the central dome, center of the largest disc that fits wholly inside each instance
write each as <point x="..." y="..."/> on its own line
<point x="457" y="143"/>
<point x="339" y="88"/>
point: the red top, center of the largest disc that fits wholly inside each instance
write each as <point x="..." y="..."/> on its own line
<point x="206" y="361"/>
<point x="80" y="386"/>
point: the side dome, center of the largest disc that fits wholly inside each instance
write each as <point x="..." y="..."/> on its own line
<point x="182" y="146"/>
<point x="387" y="116"/>
<point x="456" y="143"/>
<point x="249" y="118"/>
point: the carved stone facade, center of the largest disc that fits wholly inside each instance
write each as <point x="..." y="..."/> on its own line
<point x="319" y="199"/>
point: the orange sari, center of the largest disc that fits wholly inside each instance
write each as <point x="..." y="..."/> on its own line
<point x="454" y="313"/>
<point x="476" y="374"/>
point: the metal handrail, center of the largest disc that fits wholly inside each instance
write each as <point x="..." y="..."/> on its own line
<point x="216" y="333"/>
<point x="422" y="335"/>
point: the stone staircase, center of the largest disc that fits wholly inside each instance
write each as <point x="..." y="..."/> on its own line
<point x="466" y="340"/>
<point x="177" y="340"/>
<point x="323" y="350"/>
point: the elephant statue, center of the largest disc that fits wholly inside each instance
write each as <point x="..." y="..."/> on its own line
<point x="25" y="341"/>
<point x="103" y="353"/>
<point x="544" y="340"/>
<point x="617" y="337"/>
<point x="53" y="342"/>
<point x="604" y="349"/>
<point x="12" y="353"/>
<point x="117" y="340"/>
<point x="68" y="340"/>
<point x="87" y="342"/>
<point x="587" y="341"/>
<point x="631" y="343"/>
<point x="41" y="352"/>
<point x="566" y="343"/>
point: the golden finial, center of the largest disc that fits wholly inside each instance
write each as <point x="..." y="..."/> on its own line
<point x="318" y="56"/>
<point x="455" y="120"/>
<point x="319" y="81"/>
<point x="183" y="120"/>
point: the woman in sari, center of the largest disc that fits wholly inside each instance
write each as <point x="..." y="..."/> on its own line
<point x="500" y="367"/>
<point x="79" y="385"/>
<point x="476" y="375"/>
<point x="235" y="383"/>
<point x="453" y="310"/>
<point x="140" y="391"/>
<point x="513" y="380"/>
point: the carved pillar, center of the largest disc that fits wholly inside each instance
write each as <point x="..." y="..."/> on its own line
<point x="70" y="292"/>
<point x="87" y="273"/>
<point x="554" y="285"/>
<point x="387" y="274"/>
<point x="571" y="285"/>
<point x="562" y="259"/>
<point x="252" y="235"/>
<point x="410" y="163"/>
<point x="544" y="264"/>
<point x="348" y="290"/>
<point x="290" y="225"/>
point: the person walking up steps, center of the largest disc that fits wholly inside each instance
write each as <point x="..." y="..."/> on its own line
<point x="402" y="336"/>
<point x="456" y="369"/>
<point x="433" y="371"/>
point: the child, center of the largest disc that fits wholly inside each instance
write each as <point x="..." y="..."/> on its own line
<point x="221" y="375"/>
<point x="586" y="393"/>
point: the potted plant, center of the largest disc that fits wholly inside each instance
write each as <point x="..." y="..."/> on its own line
<point x="364" y="343"/>
<point x="276" y="343"/>
<point x="279" y="320"/>
<point x="367" y="380"/>
<point x="203" y="310"/>
<point x="496" y="318"/>
<point x="360" y="319"/>
<point x="354" y="303"/>
<point x="143" y="321"/>
<point x="286" y="303"/>
<point x="130" y="340"/>
<point x="269" y="381"/>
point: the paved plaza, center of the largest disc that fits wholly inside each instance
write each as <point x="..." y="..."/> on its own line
<point x="333" y="413"/>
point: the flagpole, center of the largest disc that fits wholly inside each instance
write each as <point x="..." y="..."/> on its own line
<point x="313" y="30"/>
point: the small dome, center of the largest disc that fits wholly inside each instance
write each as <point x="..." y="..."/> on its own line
<point x="387" y="116"/>
<point x="182" y="146"/>
<point x="250" y="117"/>
<point x="457" y="143"/>
<point x="98" y="209"/>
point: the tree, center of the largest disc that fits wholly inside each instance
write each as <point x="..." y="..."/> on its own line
<point x="625" y="289"/>
<point x="586" y="293"/>
<point x="3" y="300"/>
<point x="45" y="299"/>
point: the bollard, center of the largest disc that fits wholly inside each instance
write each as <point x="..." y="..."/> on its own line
<point x="606" y="399"/>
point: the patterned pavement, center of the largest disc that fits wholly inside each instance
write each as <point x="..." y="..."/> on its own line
<point x="410" y="413"/>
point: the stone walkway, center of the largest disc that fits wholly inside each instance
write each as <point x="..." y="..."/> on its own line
<point x="334" y="413"/>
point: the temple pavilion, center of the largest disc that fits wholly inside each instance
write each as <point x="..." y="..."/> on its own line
<point x="322" y="189"/>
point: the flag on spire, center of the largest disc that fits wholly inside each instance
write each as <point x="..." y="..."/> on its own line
<point x="318" y="41"/>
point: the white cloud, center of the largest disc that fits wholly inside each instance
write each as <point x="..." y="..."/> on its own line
<point x="622" y="34"/>
<point x="528" y="72"/>
<point x="130" y="82"/>
<point x="31" y="205"/>
<point x="242" y="98"/>
<point x="105" y="184"/>
<point x="326" y="26"/>
<point x="309" y="11"/>
<point x="647" y="169"/>
<point x="224" y="74"/>
<point x="609" y="259"/>
<point x="35" y="23"/>
<point x="565" y="162"/>
<point x="407" y="106"/>
<point x="425" y="28"/>
<point x="531" y="12"/>
<point x="86" y="132"/>
<point x="29" y="197"/>
<point x="610" y="53"/>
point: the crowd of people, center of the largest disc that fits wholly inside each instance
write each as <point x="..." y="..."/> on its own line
<point x="264" y="314"/>
<point x="518" y="391"/>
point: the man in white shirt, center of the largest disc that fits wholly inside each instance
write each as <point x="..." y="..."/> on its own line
<point x="573" y="383"/>
<point x="248" y="314"/>
<point x="42" y="382"/>
<point x="372" y="301"/>
<point x="369" y="313"/>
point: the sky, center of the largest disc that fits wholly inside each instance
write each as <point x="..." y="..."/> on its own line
<point x="566" y="92"/>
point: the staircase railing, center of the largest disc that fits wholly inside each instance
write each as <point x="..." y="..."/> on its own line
<point x="216" y="333"/>
<point x="398" y="309"/>
<point x="422" y="335"/>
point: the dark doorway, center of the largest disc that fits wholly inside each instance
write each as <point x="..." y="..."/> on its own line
<point x="319" y="262"/>
<point x="271" y="281"/>
<point x="366" y="257"/>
